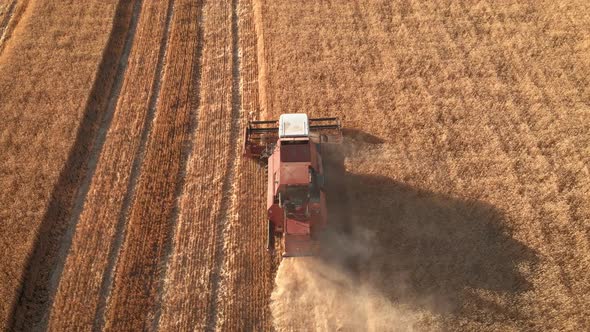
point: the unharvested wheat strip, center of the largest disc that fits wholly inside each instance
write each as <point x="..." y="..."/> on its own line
<point x="261" y="55"/>
<point x="568" y="227"/>
<point x="549" y="217"/>
<point x="426" y="96"/>
<point x="79" y="290"/>
<point x="564" y="229"/>
<point x="544" y="210"/>
<point x="558" y="117"/>
<point x="494" y="94"/>
<point x="139" y="265"/>
<point x="499" y="155"/>
<point x="558" y="214"/>
<point x="386" y="46"/>
<point x="550" y="124"/>
<point x="389" y="52"/>
<point x="272" y="19"/>
<point x="499" y="136"/>
<point x="56" y="232"/>
<point x="246" y="262"/>
<point x="40" y="121"/>
<point x="189" y="280"/>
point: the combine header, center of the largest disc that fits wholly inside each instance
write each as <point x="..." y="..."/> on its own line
<point x="296" y="201"/>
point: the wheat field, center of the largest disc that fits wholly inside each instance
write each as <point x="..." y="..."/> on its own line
<point x="466" y="176"/>
<point x="458" y="201"/>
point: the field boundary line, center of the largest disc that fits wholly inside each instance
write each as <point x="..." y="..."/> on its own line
<point x="87" y="136"/>
<point x="187" y="151"/>
<point x="109" y="273"/>
<point x="228" y="204"/>
<point x="15" y="12"/>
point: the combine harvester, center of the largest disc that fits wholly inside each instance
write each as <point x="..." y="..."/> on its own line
<point x="296" y="201"/>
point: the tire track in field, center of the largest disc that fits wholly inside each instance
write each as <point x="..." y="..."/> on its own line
<point x="5" y="20"/>
<point x="107" y="283"/>
<point x="11" y="19"/>
<point x="229" y="188"/>
<point x="247" y="268"/>
<point x="187" y="151"/>
<point x="7" y="17"/>
<point x="40" y="287"/>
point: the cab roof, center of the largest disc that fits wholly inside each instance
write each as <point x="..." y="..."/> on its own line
<point x="293" y="125"/>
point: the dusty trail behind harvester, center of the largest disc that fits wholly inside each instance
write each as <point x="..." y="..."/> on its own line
<point x="461" y="204"/>
<point x="336" y="289"/>
<point x="310" y="294"/>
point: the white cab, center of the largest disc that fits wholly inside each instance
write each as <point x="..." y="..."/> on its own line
<point x="293" y="125"/>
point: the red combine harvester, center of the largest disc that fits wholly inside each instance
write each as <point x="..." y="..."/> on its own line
<point x="296" y="201"/>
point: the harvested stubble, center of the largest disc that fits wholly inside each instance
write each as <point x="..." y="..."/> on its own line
<point x="193" y="269"/>
<point x="247" y="267"/>
<point x="479" y="109"/>
<point x="50" y="71"/>
<point x="134" y="303"/>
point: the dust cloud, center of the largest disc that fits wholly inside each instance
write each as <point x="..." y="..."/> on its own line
<point x="311" y="295"/>
<point x="336" y="290"/>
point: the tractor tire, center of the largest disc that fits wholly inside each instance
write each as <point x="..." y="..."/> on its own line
<point x="270" y="238"/>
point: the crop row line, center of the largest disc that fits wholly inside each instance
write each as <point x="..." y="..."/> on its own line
<point x="138" y="163"/>
<point x="107" y="280"/>
<point x="229" y="200"/>
<point x="187" y="150"/>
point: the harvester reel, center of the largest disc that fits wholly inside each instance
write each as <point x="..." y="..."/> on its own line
<point x="260" y="137"/>
<point x="267" y="152"/>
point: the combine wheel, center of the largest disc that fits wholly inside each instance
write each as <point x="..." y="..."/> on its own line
<point x="282" y="244"/>
<point x="270" y="238"/>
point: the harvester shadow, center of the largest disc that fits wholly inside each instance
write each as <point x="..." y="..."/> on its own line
<point x="357" y="135"/>
<point x="421" y="249"/>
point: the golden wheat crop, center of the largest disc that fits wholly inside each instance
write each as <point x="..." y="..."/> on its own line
<point x="50" y="75"/>
<point x="465" y="182"/>
<point x="458" y="200"/>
